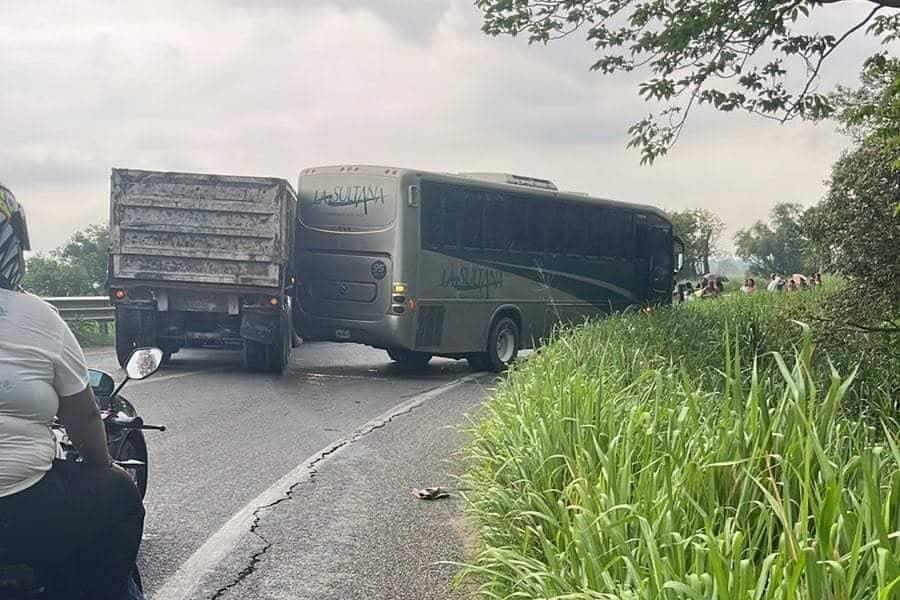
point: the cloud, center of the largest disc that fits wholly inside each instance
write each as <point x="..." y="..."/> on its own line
<point x="271" y="87"/>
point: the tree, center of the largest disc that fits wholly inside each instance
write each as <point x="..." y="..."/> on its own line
<point x="729" y="54"/>
<point x="47" y="276"/>
<point x="873" y="110"/>
<point x="77" y="268"/>
<point x="699" y="229"/>
<point x="855" y="229"/>
<point x="776" y="247"/>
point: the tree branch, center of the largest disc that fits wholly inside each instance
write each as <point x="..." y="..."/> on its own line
<point x="828" y="52"/>
<point x="885" y="3"/>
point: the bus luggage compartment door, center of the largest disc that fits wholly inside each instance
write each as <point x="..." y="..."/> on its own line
<point x="345" y="286"/>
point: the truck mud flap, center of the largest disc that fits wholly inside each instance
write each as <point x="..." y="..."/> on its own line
<point x="262" y="327"/>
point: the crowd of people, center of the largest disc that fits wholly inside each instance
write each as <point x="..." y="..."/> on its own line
<point x="713" y="286"/>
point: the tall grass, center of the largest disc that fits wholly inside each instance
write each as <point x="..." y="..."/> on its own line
<point x="691" y="336"/>
<point x="608" y="467"/>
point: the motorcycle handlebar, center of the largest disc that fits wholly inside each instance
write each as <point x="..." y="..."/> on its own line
<point x="134" y="423"/>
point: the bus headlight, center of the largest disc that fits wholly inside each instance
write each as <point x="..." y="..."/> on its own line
<point x="399" y="289"/>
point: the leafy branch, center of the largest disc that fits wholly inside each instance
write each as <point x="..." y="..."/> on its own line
<point x="730" y="54"/>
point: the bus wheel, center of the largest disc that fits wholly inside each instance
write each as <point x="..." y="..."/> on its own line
<point x="502" y="350"/>
<point x="409" y="359"/>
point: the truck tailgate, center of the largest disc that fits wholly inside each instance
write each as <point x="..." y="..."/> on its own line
<point x="192" y="228"/>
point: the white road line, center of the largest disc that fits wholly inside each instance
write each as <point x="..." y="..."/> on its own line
<point x="157" y="379"/>
<point x="192" y="573"/>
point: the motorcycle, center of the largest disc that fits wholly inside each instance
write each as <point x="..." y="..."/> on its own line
<point x="126" y="445"/>
<point x="124" y="427"/>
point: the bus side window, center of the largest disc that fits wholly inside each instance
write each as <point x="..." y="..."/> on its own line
<point x="473" y="210"/>
<point x="621" y="234"/>
<point x="642" y="235"/>
<point x="609" y="236"/>
<point x="556" y="227"/>
<point x="576" y="231"/>
<point x="432" y="215"/>
<point x="517" y="223"/>
<point x="495" y="224"/>
<point x="537" y="225"/>
<point x="595" y="231"/>
<point x="451" y="218"/>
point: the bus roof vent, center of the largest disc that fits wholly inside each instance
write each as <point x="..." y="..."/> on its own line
<point x="544" y="184"/>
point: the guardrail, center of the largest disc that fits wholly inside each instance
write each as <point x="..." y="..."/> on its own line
<point x="84" y="308"/>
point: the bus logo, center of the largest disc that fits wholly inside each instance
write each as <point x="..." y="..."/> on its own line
<point x="379" y="269"/>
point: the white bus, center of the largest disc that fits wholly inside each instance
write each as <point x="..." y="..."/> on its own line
<point x="475" y="266"/>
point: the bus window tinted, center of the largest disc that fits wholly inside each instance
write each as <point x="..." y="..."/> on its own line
<point x="576" y="232"/>
<point x="473" y="207"/>
<point x="495" y="223"/>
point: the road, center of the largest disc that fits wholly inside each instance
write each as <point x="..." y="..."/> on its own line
<point x="335" y="446"/>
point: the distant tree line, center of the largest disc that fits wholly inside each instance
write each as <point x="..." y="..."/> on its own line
<point x="77" y="268"/>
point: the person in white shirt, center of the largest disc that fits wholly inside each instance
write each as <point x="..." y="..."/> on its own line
<point x="77" y="525"/>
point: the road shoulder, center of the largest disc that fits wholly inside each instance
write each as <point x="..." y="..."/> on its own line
<point x="354" y="528"/>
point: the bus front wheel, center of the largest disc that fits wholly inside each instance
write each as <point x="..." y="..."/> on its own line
<point x="502" y="348"/>
<point x="409" y="359"/>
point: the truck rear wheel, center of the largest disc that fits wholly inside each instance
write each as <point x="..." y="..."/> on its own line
<point x="280" y="352"/>
<point x="254" y="356"/>
<point x="134" y="329"/>
<point x="270" y="358"/>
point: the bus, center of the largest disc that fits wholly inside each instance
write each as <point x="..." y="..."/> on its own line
<point x="474" y="266"/>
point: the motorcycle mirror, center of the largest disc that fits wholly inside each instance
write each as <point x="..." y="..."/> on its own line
<point x="102" y="383"/>
<point x="143" y="362"/>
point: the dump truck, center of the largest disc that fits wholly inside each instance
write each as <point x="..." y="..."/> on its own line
<point x="203" y="260"/>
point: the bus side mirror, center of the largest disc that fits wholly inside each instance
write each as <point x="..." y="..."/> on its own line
<point x="679" y="253"/>
<point x="413" y="197"/>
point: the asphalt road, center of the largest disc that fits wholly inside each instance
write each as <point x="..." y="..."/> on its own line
<point x="347" y="434"/>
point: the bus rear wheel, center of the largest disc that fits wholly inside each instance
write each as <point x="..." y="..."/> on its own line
<point x="409" y="359"/>
<point x="502" y="348"/>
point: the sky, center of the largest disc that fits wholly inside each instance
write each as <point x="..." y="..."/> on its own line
<point x="274" y="86"/>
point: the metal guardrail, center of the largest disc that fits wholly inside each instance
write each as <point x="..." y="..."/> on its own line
<point x="84" y="308"/>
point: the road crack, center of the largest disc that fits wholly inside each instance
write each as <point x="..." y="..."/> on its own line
<point x="311" y="472"/>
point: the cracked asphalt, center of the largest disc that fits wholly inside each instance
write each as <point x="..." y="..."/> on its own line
<point x="349" y="526"/>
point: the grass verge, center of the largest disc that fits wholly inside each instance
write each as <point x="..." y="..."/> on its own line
<point x="91" y="334"/>
<point x="707" y="451"/>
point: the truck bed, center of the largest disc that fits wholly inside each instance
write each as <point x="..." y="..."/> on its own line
<point x="193" y="228"/>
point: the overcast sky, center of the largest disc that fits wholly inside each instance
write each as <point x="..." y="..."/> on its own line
<point x="225" y="88"/>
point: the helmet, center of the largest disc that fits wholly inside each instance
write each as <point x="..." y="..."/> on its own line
<point x="13" y="240"/>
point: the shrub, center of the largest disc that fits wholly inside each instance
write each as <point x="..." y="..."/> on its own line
<point x="677" y="456"/>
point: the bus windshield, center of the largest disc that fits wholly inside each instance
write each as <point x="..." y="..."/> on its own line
<point x="348" y="202"/>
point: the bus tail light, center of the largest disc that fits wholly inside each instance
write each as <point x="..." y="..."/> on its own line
<point x="411" y="304"/>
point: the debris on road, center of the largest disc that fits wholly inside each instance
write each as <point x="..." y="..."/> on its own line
<point x="431" y="493"/>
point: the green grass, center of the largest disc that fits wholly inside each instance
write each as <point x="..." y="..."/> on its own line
<point x="91" y="334"/>
<point x="677" y="456"/>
